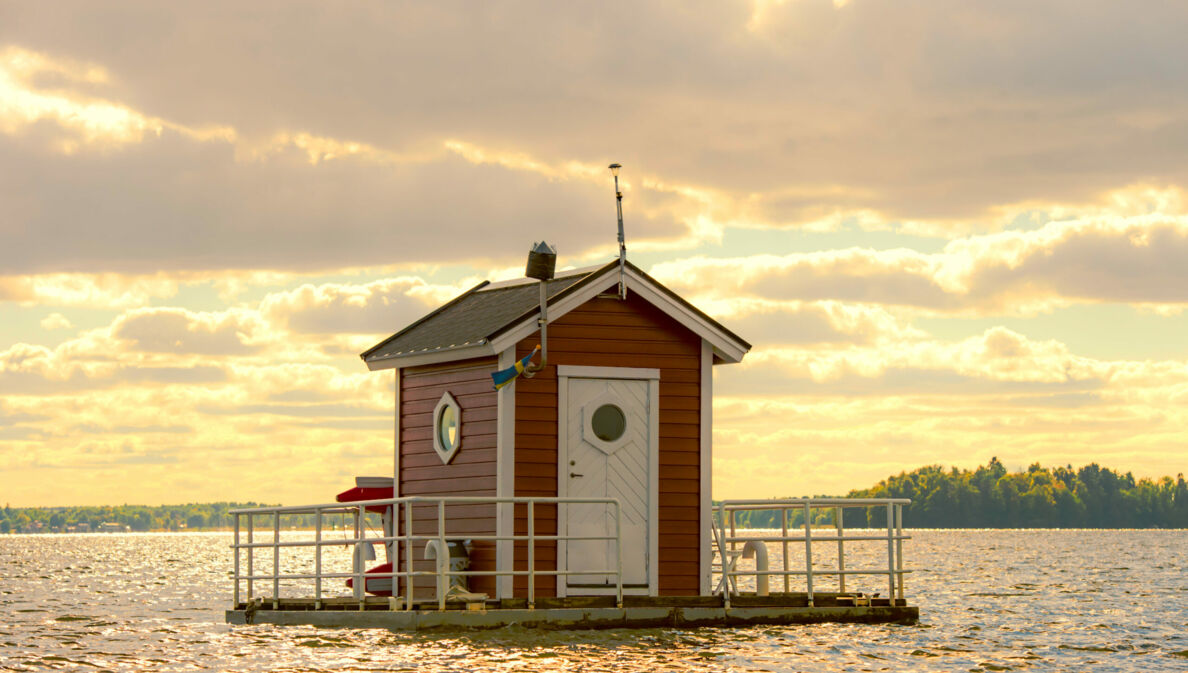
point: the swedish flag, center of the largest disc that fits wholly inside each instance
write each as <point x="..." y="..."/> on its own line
<point x="505" y="376"/>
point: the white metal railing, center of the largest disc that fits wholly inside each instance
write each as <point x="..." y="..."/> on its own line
<point x="727" y="541"/>
<point x="398" y="545"/>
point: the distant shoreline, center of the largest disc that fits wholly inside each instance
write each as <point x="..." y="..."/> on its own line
<point x="987" y="498"/>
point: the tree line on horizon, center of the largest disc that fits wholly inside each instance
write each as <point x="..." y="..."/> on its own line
<point x="986" y="497"/>
<point x="193" y="516"/>
<point x="145" y="518"/>
<point x="991" y="497"/>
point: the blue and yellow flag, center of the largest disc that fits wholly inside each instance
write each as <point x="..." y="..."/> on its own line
<point x="506" y="376"/>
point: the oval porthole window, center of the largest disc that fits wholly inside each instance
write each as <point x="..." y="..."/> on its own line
<point x="608" y="422"/>
<point x="447" y="427"/>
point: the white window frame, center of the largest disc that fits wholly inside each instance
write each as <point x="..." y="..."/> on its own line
<point x="447" y="401"/>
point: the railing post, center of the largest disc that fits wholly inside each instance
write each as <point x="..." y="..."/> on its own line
<point x="783" y="534"/>
<point x="891" y="552"/>
<point x="841" y="550"/>
<point x="442" y="549"/>
<point x="235" y="591"/>
<point x="733" y="532"/>
<point x="726" y="579"/>
<point x="618" y="556"/>
<point x="899" y="548"/>
<point x="357" y="559"/>
<point x="808" y="550"/>
<point x="276" y="559"/>
<point x="251" y="554"/>
<point x="408" y="557"/>
<point x="391" y="523"/>
<point x="318" y="559"/>
<point x="531" y="556"/>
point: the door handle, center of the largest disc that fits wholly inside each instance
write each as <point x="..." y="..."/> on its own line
<point x="575" y="474"/>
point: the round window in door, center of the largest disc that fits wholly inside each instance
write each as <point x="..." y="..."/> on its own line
<point x="608" y="422"/>
<point x="605" y="423"/>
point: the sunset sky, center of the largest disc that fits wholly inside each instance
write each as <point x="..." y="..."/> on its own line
<point x="951" y="230"/>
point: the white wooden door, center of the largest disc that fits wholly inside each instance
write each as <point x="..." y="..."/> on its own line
<point x="607" y="455"/>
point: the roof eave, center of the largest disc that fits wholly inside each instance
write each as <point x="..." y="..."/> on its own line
<point x="430" y="357"/>
<point x="365" y="354"/>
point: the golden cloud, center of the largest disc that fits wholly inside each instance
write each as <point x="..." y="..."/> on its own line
<point x="1132" y="259"/>
<point x="90" y="120"/>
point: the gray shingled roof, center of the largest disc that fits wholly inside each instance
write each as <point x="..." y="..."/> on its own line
<point x="469" y="320"/>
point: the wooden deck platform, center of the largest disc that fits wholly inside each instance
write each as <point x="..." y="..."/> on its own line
<point x="582" y="612"/>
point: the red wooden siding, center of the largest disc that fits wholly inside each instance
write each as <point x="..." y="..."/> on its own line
<point x="470" y="473"/>
<point x="612" y="333"/>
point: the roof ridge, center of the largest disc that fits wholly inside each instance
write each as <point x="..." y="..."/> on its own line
<point x="519" y="282"/>
<point x="552" y="299"/>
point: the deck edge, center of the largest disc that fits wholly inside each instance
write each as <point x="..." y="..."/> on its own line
<point x="578" y="618"/>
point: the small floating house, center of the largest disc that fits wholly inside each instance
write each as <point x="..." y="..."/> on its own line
<point x="571" y="489"/>
<point x="621" y="409"/>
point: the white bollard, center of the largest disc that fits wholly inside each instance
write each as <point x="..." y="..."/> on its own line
<point x="757" y="550"/>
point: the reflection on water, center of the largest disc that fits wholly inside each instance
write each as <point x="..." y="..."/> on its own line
<point x="990" y="601"/>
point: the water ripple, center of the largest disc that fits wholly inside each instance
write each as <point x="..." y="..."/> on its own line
<point x="990" y="601"/>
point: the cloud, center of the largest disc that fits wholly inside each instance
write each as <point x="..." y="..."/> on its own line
<point x="217" y="205"/>
<point x="779" y="322"/>
<point x="997" y="362"/>
<point x="377" y="308"/>
<point x="143" y="171"/>
<point x="173" y="330"/>
<point x="322" y="154"/>
<point x="87" y="120"/>
<point x="97" y="290"/>
<point x="1122" y="259"/>
<point x="156" y="346"/>
<point x="27" y="370"/>
<point x="195" y="207"/>
<point x="55" y="321"/>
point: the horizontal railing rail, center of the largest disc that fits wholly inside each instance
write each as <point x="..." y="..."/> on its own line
<point x="728" y="551"/>
<point x="402" y="546"/>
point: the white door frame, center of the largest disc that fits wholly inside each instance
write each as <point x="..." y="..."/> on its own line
<point x="652" y="376"/>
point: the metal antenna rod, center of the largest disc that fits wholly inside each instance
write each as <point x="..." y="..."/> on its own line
<point x="614" y="168"/>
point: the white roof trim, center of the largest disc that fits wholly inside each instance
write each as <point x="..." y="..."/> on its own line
<point x="725" y="347"/>
<point x="432" y="357"/>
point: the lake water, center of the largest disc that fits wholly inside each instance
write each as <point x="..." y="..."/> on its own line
<point x="990" y="600"/>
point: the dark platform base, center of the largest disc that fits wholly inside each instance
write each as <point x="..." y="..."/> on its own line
<point x="577" y="613"/>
